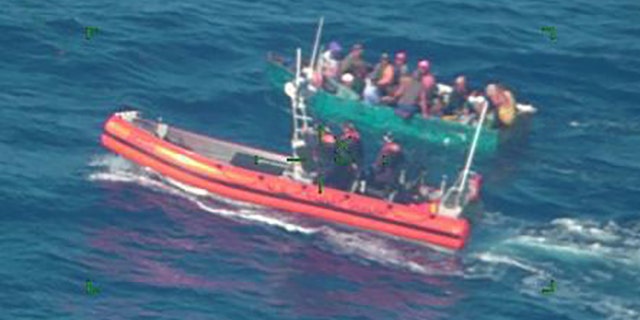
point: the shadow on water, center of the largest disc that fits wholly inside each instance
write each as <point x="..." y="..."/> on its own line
<point x="299" y="273"/>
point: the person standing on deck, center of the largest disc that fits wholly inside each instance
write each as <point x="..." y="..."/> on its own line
<point x="385" y="170"/>
<point x="348" y="158"/>
<point x="354" y="143"/>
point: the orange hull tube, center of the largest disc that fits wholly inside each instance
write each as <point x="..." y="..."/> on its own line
<point x="404" y="221"/>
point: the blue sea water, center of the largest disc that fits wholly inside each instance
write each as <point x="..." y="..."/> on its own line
<point x="563" y="207"/>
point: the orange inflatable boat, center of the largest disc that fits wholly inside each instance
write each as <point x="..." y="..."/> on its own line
<point x="231" y="170"/>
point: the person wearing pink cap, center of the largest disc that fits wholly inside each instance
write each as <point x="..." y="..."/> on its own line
<point x="423" y="68"/>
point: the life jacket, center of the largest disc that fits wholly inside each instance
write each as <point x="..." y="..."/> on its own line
<point x="351" y="134"/>
<point x="507" y="114"/>
<point x="328" y="139"/>
<point x="354" y="145"/>
<point x="505" y="109"/>
<point x="389" y="155"/>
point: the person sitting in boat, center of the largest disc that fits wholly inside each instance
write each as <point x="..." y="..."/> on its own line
<point x="370" y="92"/>
<point x="345" y="90"/>
<point x="423" y="69"/>
<point x="428" y="100"/>
<point x="383" y="75"/>
<point x="405" y="97"/>
<point x="331" y="61"/>
<point x="503" y="103"/>
<point x="400" y="67"/>
<point x="457" y="98"/>
<point x="354" y="63"/>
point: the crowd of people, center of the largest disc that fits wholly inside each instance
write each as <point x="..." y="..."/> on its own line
<point x="409" y="93"/>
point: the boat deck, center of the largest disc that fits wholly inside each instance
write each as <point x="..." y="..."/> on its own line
<point x="230" y="153"/>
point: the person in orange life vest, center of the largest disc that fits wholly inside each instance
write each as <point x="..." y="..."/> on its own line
<point x="385" y="169"/>
<point x="383" y="75"/>
<point x="326" y="150"/>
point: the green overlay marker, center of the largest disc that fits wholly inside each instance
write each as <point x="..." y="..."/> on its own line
<point x="551" y="289"/>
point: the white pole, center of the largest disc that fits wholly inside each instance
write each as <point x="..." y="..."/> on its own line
<point x="467" y="166"/>
<point x="315" y="44"/>
<point x="298" y="62"/>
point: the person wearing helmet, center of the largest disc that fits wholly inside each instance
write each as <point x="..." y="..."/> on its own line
<point x="326" y="150"/>
<point x="385" y="169"/>
<point x="331" y="60"/>
<point x="348" y="158"/>
<point x="354" y="142"/>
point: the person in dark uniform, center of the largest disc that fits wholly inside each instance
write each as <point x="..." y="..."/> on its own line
<point x="348" y="157"/>
<point x="383" y="175"/>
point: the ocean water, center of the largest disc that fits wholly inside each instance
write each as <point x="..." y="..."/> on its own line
<point x="564" y="206"/>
